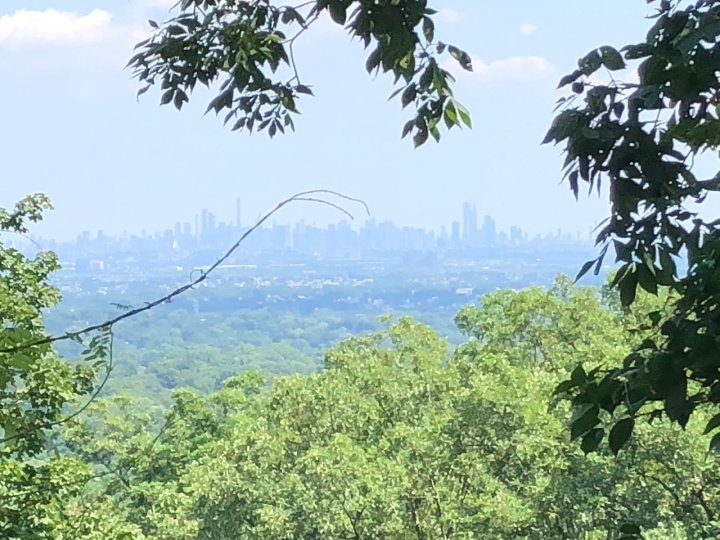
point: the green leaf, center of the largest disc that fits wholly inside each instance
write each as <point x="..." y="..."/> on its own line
<point x="586" y="420"/>
<point x="428" y="29"/>
<point x="591" y="440"/>
<point x="338" y="11"/>
<point x="712" y="424"/>
<point x="569" y="78"/>
<point x="647" y="279"/>
<point x="407" y="128"/>
<point x="715" y="443"/>
<point x="611" y="58"/>
<point x="408" y="96"/>
<point x="578" y="375"/>
<point x="585" y="267"/>
<point x="373" y="61"/>
<point x="421" y="136"/>
<point x="461" y="57"/>
<point x="620" y="433"/>
<point x="563" y="388"/>
<point x="462" y="112"/>
<point x="167" y="97"/>
<point x="628" y="288"/>
<point x="450" y="115"/>
<point x="590" y="63"/>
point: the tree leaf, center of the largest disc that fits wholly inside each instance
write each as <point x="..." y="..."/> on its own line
<point x="585" y="421"/>
<point x="408" y="96"/>
<point x="712" y="424"/>
<point x="628" y="288"/>
<point x="620" y="433"/>
<point x="428" y="27"/>
<point x="338" y="11"/>
<point x="591" y="440"/>
<point x="585" y="267"/>
<point x="611" y="58"/>
<point x="167" y="97"/>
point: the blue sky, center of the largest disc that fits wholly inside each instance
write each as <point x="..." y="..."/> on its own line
<point x="73" y="129"/>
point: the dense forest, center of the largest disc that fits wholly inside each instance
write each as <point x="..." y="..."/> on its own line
<point x="400" y="435"/>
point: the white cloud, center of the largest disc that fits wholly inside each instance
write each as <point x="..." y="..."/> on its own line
<point x="52" y="27"/>
<point x="528" y="29"/>
<point x="514" y="68"/>
<point x="449" y="16"/>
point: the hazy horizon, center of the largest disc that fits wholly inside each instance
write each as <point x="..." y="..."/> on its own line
<point x="76" y="132"/>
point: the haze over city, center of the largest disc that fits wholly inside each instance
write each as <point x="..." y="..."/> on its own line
<point x="111" y="162"/>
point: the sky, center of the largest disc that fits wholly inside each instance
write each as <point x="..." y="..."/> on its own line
<point x="73" y="128"/>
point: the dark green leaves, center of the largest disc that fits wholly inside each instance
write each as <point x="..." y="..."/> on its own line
<point x="630" y="531"/>
<point x="247" y="48"/>
<point x="712" y="424"/>
<point x="584" y="418"/>
<point x="592" y="440"/>
<point x="338" y="11"/>
<point x="611" y="58"/>
<point x="462" y="57"/>
<point x="408" y="96"/>
<point x="620" y="433"/>
<point x="641" y="140"/>
<point x="428" y="29"/>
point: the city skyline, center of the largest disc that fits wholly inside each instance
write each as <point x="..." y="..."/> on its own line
<point x="466" y="228"/>
<point x="207" y="232"/>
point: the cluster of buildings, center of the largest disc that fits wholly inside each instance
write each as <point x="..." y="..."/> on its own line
<point x="336" y="240"/>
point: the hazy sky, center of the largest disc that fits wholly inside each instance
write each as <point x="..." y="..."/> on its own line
<point x="73" y="129"/>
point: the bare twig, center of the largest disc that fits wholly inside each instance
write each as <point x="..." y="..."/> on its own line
<point x="313" y="195"/>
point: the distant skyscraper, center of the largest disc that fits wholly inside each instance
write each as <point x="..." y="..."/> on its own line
<point x="489" y="230"/>
<point x="455" y="232"/>
<point x="237" y="213"/>
<point x="469" y="222"/>
<point x="204" y="221"/>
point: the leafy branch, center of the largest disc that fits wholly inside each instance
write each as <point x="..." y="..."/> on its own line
<point x="244" y="46"/>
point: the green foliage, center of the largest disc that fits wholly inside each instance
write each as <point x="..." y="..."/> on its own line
<point x="400" y="437"/>
<point x="642" y="140"/>
<point x="36" y="389"/>
<point x="248" y="46"/>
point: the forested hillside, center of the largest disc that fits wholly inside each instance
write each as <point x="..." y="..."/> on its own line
<point x="400" y="435"/>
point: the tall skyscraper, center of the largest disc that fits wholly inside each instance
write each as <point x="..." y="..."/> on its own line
<point x="469" y="222"/>
<point x="489" y="230"/>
